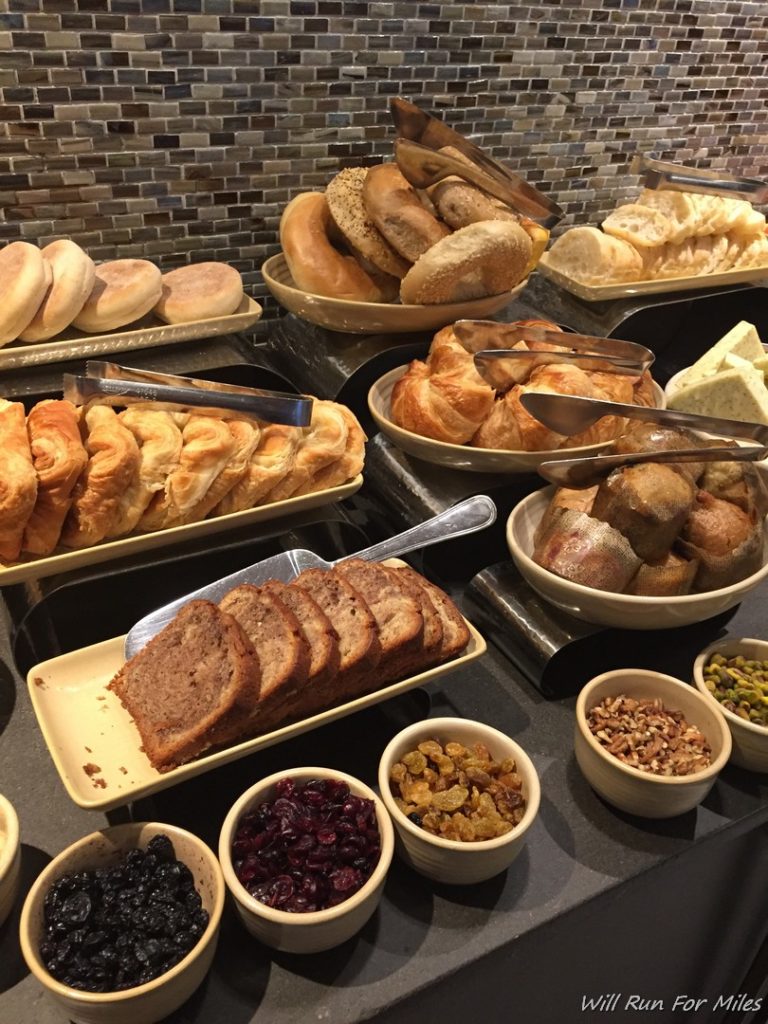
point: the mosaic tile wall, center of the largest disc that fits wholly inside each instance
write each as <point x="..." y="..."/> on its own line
<point x="180" y="132"/>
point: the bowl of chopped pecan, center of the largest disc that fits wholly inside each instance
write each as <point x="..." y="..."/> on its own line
<point x="462" y="796"/>
<point x="648" y="743"/>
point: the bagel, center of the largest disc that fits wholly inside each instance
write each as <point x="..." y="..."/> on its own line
<point x="460" y="204"/>
<point x="25" y="277"/>
<point x="486" y="258"/>
<point x="398" y="213"/>
<point x="316" y="266"/>
<point x="199" y="291"/>
<point x="73" y="273"/>
<point x="123" y="291"/>
<point x="345" y="200"/>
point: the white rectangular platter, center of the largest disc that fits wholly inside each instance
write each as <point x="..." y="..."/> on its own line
<point x="630" y="289"/>
<point x="149" y="332"/>
<point x="66" y="560"/>
<point x="95" y="745"/>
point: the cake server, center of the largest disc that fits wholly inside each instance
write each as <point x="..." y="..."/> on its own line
<point x="120" y="385"/>
<point x="660" y="174"/>
<point x="466" y="517"/>
<point x="416" y="125"/>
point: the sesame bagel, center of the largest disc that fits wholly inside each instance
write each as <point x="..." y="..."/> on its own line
<point x="486" y="258"/>
<point x="316" y="265"/>
<point x="398" y="213"/>
<point x="345" y="200"/>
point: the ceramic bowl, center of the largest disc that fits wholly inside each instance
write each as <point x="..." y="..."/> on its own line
<point x="448" y="860"/>
<point x="464" y="456"/>
<point x="318" y="930"/>
<point x="374" y="317"/>
<point x="10" y="857"/>
<point x="156" y="999"/>
<point x="633" y="791"/>
<point x="622" y="611"/>
<point x="750" y="741"/>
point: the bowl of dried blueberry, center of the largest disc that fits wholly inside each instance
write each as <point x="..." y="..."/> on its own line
<point x="305" y="854"/>
<point x="462" y="796"/>
<point x="122" y="926"/>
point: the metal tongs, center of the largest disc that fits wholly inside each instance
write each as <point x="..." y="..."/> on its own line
<point x="568" y="414"/>
<point x="416" y="126"/>
<point x="659" y="174"/>
<point x="120" y="385"/>
<point x="493" y="343"/>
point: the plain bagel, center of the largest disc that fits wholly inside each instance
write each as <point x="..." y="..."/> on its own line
<point x="123" y="291"/>
<point x="73" y="273"/>
<point x="25" y="276"/>
<point x="398" y="213"/>
<point x="316" y="265"/>
<point x="199" y="291"/>
<point x="486" y="258"/>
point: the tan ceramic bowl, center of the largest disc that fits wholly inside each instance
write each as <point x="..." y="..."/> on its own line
<point x="447" y="860"/>
<point x="633" y="791"/>
<point x="373" y="317"/>
<point x="156" y="999"/>
<point x="318" y="930"/>
<point x="623" y="611"/>
<point x="464" y="456"/>
<point x="10" y="857"/>
<point x="750" y="741"/>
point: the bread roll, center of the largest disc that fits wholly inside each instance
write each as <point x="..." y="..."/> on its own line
<point x="486" y="258"/>
<point x="398" y="212"/>
<point x="200" y="291"/>
<point x="123" y="291"/>
<point x="345" y="199"/>
<point x="72" y="276"/>
<point x="25" y="277"/>
<point x="590" y="256"/>
<point x="316" y="265"/>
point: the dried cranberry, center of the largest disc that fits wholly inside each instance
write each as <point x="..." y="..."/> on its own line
<point x="310" y="848"/>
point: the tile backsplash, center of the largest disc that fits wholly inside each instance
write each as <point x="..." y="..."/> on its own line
<point x="180" y="132"/>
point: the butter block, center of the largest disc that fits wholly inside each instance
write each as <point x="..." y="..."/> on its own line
<point x="742" y="340"/>
<point x="732" y="395"/>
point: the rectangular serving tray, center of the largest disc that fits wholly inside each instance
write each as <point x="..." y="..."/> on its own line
<point x="149" y="332"/>
<point x="631" y="289"/>
<point x="64" y="561"/>
<point x="96" y="747"/>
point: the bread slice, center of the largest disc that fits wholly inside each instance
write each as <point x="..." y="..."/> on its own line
<point x="398" y="617"/>
<point x="432" y="634"/>
<point x="283" y="654"/>
<point x="359" y="646"/>
<point x="187" y="682"/>
<point x="456" y="635"/>
<point x="590" y="256"/>
<point x="641" y="226"/>
<point x="322" y="641"/>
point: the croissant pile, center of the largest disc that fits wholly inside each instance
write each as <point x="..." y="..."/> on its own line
<point x="73" y="477"/>
<point x="445" y="398"/>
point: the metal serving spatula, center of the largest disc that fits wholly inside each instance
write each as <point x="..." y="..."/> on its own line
<point x="466" y="517"/>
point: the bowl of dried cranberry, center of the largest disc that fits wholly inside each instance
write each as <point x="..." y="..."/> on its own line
<point x="305" y="854"/>
<point x="462" y="796"/>
<point x="122" y="926"/>
<point x="648" y="743"/>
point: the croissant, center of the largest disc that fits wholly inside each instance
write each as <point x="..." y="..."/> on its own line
<point x="245" y="436"/>
<point x="443" y="406"/>
<point x="208" y="446"/>
<point x="323" y="442"/>
<point x="59" y="459"/>
<point x="347" y="466"/>
<point x="270" y="462"/>
<point x="160" y="443"/>
<point x="113" y="465"/>
<point x="18" y="480"/>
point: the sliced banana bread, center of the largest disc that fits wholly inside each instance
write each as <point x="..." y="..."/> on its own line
<point x="432" y="638"/>
<point x="276" y="636"/>
<point x="193" y="678"/>
<point x="455" y="633"/>
<point x="398" y="618"/>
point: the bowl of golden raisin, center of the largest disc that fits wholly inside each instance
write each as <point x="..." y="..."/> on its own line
<point x="462" y="796"/>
